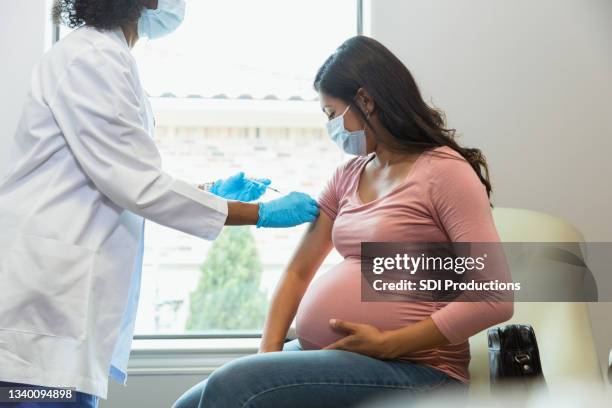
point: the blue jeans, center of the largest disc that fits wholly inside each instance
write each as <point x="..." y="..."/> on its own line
<point x="81" y="400"/>
<point x="318" y="378"/>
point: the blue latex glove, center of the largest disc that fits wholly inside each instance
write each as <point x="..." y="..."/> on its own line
<point x="238" y="187"/>
<point x="288" y="211"/>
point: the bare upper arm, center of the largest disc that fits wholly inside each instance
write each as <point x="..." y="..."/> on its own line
<point x="314" y="246"/>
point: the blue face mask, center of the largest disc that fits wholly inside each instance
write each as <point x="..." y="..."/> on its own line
<point x="350" y="142"/>
<point x="166" y="18"/>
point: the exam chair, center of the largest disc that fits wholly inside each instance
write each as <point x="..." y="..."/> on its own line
<point x="563" y="330"/>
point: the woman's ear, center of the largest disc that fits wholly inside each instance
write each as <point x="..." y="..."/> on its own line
<point x="365" y="102"/>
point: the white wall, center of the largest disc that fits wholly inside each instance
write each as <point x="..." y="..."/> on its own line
<point x="23" y="38"/>
<point x="529" y="82"/>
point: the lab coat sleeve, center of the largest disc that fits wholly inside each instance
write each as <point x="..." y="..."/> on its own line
<point x="97" y="107"/>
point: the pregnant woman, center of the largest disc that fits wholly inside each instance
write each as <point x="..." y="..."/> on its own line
<point x="409" y="182"/>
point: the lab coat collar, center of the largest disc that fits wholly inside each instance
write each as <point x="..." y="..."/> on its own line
<point x="118" y="34"/>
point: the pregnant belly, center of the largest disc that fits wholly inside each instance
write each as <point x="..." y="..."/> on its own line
<point x="337" y="295"/>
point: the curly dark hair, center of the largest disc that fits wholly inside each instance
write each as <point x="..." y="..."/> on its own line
<point x="103" y="14"/>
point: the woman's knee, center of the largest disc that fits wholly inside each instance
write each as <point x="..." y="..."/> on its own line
<point x="191" y="397"/>
<point x="225" y="387"/>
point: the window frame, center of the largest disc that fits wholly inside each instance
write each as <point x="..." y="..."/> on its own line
<point x="359" y="28"/>
<point x="55" y="34"/>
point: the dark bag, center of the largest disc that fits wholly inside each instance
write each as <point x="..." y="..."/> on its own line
<point x="514" y="358"/>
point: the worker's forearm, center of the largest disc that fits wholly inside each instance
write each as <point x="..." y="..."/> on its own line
<point x="239" y="213"/>
<point x="416" y="337"/>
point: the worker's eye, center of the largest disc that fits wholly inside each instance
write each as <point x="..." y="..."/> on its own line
<point x="331" y="115"/>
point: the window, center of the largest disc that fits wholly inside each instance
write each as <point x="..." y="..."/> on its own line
<point x="232" y="90"/>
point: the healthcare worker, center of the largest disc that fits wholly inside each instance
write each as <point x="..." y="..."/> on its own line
<point x="84" y="173"/>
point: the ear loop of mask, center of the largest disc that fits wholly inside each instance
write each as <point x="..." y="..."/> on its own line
<point x="346" y="110"/>
<point x="367" y="120"/>
<point x="367" y="115"/>
<point x="365" y="125"/>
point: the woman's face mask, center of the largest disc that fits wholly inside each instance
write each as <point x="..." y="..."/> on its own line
<point x="166" y="18"/>
<point x="350" y="142"/>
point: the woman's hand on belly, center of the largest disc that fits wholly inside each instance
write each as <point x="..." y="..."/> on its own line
<point x="363" y="339"/>
<point x="370" y="341"/>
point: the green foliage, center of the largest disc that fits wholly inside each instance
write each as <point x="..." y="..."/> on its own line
<point x="228" y="296"/>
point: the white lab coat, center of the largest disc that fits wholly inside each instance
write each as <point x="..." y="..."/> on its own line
<point x="84" y="171"/>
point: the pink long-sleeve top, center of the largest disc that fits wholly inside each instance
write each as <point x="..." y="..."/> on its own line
<point x="440" y="200"/>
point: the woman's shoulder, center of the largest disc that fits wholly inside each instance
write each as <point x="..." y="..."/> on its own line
<point x="448" y="170"/>
<point x="444" y="159"/>
<point x="441" y="153"/>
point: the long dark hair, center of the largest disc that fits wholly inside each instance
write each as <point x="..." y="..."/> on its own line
<point x="362" y="62"/>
